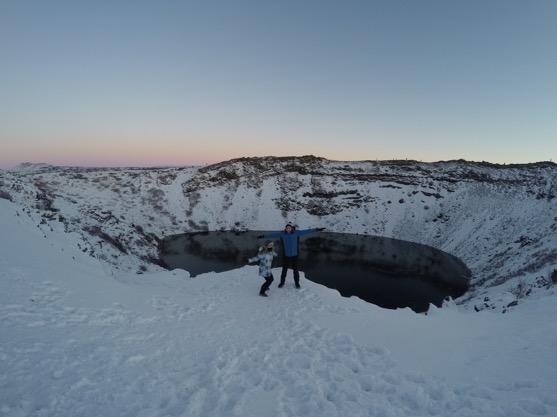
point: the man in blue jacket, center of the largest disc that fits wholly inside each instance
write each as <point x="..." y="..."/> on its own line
<point x="290" y="238"/>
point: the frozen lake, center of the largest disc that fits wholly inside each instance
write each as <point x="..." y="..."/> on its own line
<point x="387" y="272"/>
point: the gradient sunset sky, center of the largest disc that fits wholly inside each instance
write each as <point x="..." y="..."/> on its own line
<point x="181" y="82"/>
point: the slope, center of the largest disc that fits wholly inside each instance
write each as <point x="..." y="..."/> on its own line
<point x="79" y="339"/>
<point x="499" y="219"/>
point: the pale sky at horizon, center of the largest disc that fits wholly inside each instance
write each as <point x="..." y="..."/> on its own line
<point x="178" y="82"/>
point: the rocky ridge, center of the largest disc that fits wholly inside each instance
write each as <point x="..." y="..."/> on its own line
<point x="501" y="220"/>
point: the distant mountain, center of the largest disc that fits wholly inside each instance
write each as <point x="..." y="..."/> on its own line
<point x="31" y="166"/>
<point x="501" y="220"/>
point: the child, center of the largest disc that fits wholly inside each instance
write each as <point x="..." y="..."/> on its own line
<point x="265" y="258"/>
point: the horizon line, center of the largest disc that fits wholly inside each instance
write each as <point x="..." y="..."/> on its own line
<point x="163" y="166"/>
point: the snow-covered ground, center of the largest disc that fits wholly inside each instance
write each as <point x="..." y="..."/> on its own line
<point x="79" y="337"/>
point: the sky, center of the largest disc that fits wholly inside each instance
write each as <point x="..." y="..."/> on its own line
<point x="151" y="83"/>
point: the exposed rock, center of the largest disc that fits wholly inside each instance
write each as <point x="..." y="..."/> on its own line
<point x="5" y="195"/>
<point x="96" y="231"/>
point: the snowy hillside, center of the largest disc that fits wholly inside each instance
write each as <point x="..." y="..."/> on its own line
<point x="501" y="220"/>
<point x="79" y="338"/>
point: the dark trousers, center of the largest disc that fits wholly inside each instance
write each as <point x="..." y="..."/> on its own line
<point x="266" y="284"/>
<point x="290" y="262"/>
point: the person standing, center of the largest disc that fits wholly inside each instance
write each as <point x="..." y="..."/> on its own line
<point x="290" y="240"/>
<point x="265" y="259"/>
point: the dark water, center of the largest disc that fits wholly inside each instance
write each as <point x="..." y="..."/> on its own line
<point x="387" y="272"/>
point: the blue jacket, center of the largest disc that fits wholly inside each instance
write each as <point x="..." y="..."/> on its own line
<point x="290" y="240"/>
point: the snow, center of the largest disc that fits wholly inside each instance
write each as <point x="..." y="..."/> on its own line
<point x="499" y="219"/>
<point x="79" y="337"/>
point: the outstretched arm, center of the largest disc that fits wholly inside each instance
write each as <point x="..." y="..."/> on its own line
<point x="254" y="259"/>
<point x="307" y="231"/>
